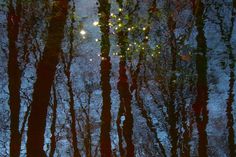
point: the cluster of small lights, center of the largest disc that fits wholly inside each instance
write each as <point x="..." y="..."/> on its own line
<point x="119" y="25"/>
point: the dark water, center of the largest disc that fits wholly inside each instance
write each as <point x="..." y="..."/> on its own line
<point x="117" y="78"/>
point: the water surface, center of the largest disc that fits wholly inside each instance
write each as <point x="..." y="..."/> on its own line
<point x="117" y="78"/>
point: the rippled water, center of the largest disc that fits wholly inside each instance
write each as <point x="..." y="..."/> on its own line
<point x="117" y="78"/>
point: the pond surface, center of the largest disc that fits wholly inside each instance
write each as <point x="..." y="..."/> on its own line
<point x="117" y="78"/>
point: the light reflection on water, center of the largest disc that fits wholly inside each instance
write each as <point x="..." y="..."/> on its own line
<point x="117" y="78"/>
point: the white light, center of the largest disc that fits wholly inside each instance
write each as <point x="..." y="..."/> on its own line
<point x="82" y="32"/>
<point x="90" y="59"/>
<point x="95" y="23"/>
<point x="96" y="40"/>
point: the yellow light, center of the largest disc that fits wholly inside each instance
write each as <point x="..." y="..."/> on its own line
<point x="120" y="9"/>
<point x="129" y="29"/>
<point x="95" y="23"/>
<point x="120" y="25"/>
<point x="146" y="37"/>
<point x="113" y="15"/>
<point x="144" y="28"/>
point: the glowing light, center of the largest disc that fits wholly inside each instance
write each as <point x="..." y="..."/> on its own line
<point x="146" y="37"/>
<point x="113" y="15"/>
<point x="129" y="29"/>
<point x="90" y="59"/>
<point x="82" y="32"/>
<point x="120" y="25"/>
<point x="144" y="28"/>
<point x="119" y="19"/>
<point x="120" y="9"/>
<point x="128" y="48"/>
<point x="96" y="40"/>
<point x="95" y="23"/>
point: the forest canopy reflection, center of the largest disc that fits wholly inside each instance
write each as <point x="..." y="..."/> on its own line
<point x="117" y="78"/>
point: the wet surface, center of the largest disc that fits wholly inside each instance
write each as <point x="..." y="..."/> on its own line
<point x="114" y="78"/>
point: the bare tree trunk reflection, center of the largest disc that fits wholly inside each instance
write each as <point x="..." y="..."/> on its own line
<point x="105" y="140"/>
<point x="125" y="112"/>
<point x="226" y="37"/>
<point x="200" y="105"/>
<point x="171" y="106"/>
<point x="67" y="68"/>
<point x="45" y="76"/>
<point x="14" y="74"/>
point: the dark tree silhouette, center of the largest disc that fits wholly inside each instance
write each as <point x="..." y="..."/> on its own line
<point x="105" y="140"/>
<point x="200" y="105"/>
<point x="45" y="76"/>
<point x="14" y="74"/>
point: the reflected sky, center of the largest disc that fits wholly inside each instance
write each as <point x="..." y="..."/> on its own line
<point x="117" y="78"/>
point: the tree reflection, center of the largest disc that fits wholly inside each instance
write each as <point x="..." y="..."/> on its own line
<point x="200" y="105"/>
<point x="125" y="112"/>
<point x="105" y="141"/>
<point x="14" y="73"/>
<point x="45" y="76"/>
<point x="226" y="35"/>
<point x="152" y="65"/>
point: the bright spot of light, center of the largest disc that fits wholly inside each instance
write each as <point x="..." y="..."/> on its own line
<point x="82" y="32"/>
<point x="95" y="23"/>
